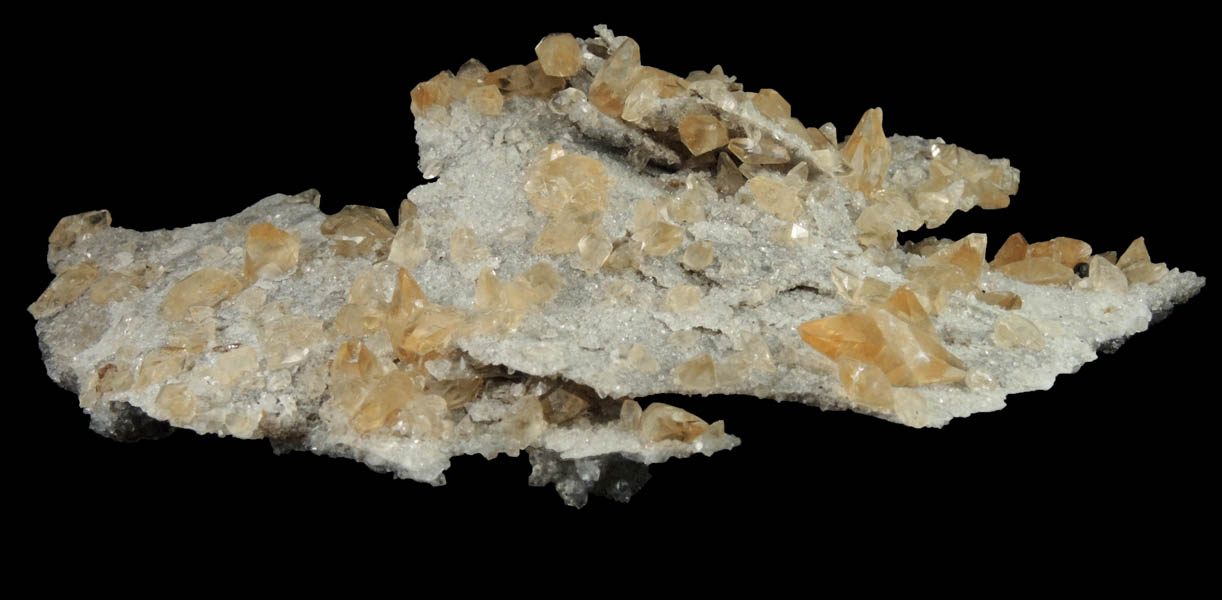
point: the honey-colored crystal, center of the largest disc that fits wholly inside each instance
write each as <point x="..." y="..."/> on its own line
<point x="682" y="298"/>
<point x="1106" y="277"/>
<point x="758" y="150"/>
<point x="1013" y="331"/>
<point x="159" y="366"/>
<point x="876" y="227"/>
<point x="563" y="233"/>
<point x="562" y="406"/>
<point x="905" y="350"/>
<point x="630" y="415"/>
<point x="686" y="208"/>
<point x="868" y="153"/>
<point x="1136" y="264"/>
<point x="593" y="250"/>
<point x="232" y="366"/>
<point x="611" y="85"/>
<point x="177" y="403"/>
<point x="486" y="100"/>
<point x="271" y="252"/>
<point x="698" y="256"/>
<point x="964" y="179"/>
<point x="936" y="283"/>
<point x="967" y="254"/>
<point x="465" y="247"/>
<point x="359" y="230"/>
<point x="648" y="87"/>
<point x="775" y="198"/>
<point x="572" y="183"/>
<point x="409" y="248"/>
<point x="729" y="177"/>
<point x="559" y="55"/>
<point x="288" y="340"/>
<point x="641" y="360"/>
<point x="511" y="79"/>
<point x="72" y="228"/>
<point x="661" y="422"/>
<point x="626" y="255"/>
<point x="660" y="239"/>
<point x="542" y="85"/>
<point x="208" y="286"/>
<point x="1039" y="270"/>
<point x="431" y="95"/>
<point x="1006" y="300"/>
<point x="697" y="374"/>
<point x="354" y="370"/>
<point x="115" y="286"/>
<point x="702" y="132"/>
<point x="67" y="286"/>
<point x="771" y="104"/>
<point x="1067" y="251"/>
<point x="865" y="384"/>
<point x="1012" y="250"/>
<point x="431" y="333"/>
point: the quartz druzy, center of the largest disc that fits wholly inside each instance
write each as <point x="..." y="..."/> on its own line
<point x="600" y="231"/>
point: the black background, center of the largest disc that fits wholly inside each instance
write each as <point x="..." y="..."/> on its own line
<point x="168" y="120"/>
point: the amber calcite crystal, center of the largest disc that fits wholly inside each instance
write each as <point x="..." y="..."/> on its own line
<point x="897" y="337"/>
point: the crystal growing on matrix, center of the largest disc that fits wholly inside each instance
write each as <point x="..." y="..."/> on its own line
<point x="599" y="231"/>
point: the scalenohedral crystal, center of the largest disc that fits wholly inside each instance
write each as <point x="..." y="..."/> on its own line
<point x="600" y="231"/>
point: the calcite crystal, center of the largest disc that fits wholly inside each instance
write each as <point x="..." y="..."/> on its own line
<point x="600" y="232"/>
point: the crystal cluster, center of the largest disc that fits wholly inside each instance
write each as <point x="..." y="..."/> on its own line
<point x="600" y="231"/>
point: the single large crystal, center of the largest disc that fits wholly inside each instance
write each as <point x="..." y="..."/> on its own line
<point x="595" y="232"/>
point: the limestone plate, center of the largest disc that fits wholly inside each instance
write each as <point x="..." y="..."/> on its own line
<point x="599" y="232"/>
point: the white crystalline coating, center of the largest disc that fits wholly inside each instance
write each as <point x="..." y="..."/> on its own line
<point x="760" y="287"/>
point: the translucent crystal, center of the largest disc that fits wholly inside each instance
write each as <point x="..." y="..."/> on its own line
<point x="177" y="403"/>
<point x="1067" y="251"/>
<point x="702" y="132"/>
<point x="771" y="104"/>
<point x="1106" y="277"/>
<point x="1013" y="331"/>
<point x="865" y="384"/>
<point x="1040" y="270"/>
<point x="698" y="256"/>
<point x="696" y="374"/>
<point x="661" y="422"/>
<point x="486" y="100"/>
<point x="642" y="361"/>
<point x="682" y="298"/>
<point x="559" y="54"/>
<point x="563" y="182"/>
<point x="77" y="227"/>
<point x="288" y="340"/>
<point x="1136" y="264"/>
<point x="1006" y="300"/>
<point x="208" y="286"/>
<point x="359" y="230"/>
<point x="775" y="198"/>
<point x="612" y="83"/>
<point x="868" y="153"/>
<point x="67" y="286"/>
<point x="1012" y="250"/>
<point x="660" y="239"/>
<point x="562" y="406"/>
<point x="593" y="249"/>
<point x="271" y="253"/>
<point x="465" y="247"/>
<point x="906" y="352"/>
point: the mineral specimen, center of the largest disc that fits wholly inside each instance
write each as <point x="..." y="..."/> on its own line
<point x="600" y="231"/>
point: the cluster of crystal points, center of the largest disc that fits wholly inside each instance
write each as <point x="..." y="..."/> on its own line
<point x="601" y="231"/>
